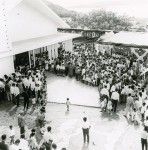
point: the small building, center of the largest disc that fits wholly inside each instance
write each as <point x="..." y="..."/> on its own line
<point x="134" y="42"/>
<point x="29" y="27"/>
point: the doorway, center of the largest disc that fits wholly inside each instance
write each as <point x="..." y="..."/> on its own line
<point x="21" y="59"/>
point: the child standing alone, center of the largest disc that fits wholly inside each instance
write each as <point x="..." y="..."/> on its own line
<point x="68" y="104"/>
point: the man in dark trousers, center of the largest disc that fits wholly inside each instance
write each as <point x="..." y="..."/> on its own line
<point x="3" y="145"/>
<point x="115" y="99"/>
<point x="85" y="128"/>
<point x="26" y="100"/>
<point x="144" y="136"/>
<point x="21" y="123"/>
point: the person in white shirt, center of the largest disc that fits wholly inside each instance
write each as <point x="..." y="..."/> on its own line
<point x="12" y="91"/>
<point x="146" y="123"/>
<point x="144" y="136"/>
<point x="26" y="82"/>
<point x="83" y="71"/>
<point x="124" y="94"/>
<point x="30" y="80"/>
<point x="135" y="116"/>
<point x="85" y="128"/>
<point x="115" y="100"/>
<point x="39" y="82"/>
<point x="32" y="86"/>
<point x="68" y="104"/>
<point x="24" y="145"/>
<point x="144" y="95"/>
<point x="15" y="146"/>
<point x="38" y="74"/>
<point x="33" y="100"/>
<point x="108" y="85"/>
<point x="36" y="78"/>
<point x="103" y="104"/>
<point x="104" y="92"/>
<point x="63" y="69"/>
<point x="37" y="91"/>
<point x="57" y="68"/>
<point x="143" y="110"/>
<point x="47" y="138"/>
<point x="112" y="88"/>
<point x="109" y="106"/>
<point x="33" y="143"/>
<point x="140" y="98"/>
<point x="11" y="134"/>
<point x="48" y="135"/>
<point x="18" y="73"/>
<point x="146" y="113"/>
<point x="2" y="85"/>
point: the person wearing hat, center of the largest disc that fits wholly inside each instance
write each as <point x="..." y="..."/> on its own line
<point x="85" y="129"/>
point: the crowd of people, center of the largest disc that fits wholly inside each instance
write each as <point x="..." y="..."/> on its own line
<point x="27" y="88"/>
<point x="116" y="76"/>
<point x="115" y="72"/>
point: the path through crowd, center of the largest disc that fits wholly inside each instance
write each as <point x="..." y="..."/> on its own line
<point x="107" y="132"/>
<point x="60" y="88"/>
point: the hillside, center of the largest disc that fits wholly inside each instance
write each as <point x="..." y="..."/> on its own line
<point x="62" y="12"/>
<point x="97" y="19"/>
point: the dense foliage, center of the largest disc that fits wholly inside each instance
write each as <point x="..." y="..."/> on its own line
<point x="94" y="20"/>
<point x="101" y="20"/>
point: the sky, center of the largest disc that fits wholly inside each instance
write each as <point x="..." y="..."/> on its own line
<point x="136" y="8"/>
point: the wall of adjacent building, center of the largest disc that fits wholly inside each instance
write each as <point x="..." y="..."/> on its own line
<point x="68" y="45"/>
<point x="52" y="51"/>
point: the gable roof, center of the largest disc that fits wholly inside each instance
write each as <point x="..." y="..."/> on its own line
<point x="133" y="39"/>
<point x="41" y="7"/>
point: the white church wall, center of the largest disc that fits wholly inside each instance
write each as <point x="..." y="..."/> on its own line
<point x="6" y="66"/>
<point x="6" y="63"/>
<point x="26" y="22"/>
<point x="5" y="45"/>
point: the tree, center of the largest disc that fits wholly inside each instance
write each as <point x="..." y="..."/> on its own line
<point x="101" y="20"/>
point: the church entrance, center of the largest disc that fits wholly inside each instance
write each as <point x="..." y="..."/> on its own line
<point x="21" y="60"/>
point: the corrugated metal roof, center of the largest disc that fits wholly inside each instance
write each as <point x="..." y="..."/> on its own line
<point x="126" y="38"/>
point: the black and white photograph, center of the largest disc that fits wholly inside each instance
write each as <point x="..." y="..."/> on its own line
<point x="73" y="74"/>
